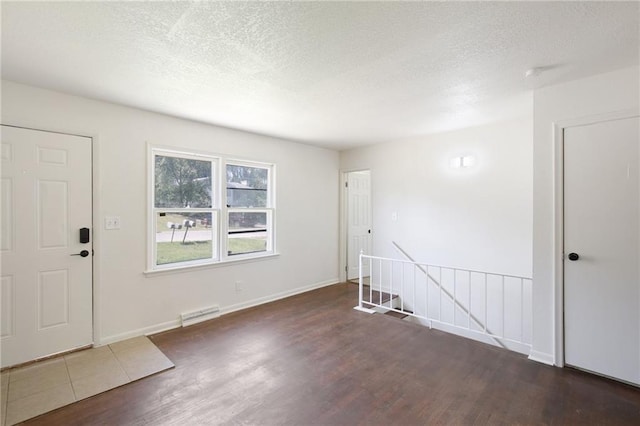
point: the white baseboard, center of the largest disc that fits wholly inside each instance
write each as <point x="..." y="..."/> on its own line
<point x="521" y="348"/>
<point x="158" y="328"/>
<point x="277" y="296"/>
<point x="145" y="331"/>
<point x="541" y="357"/>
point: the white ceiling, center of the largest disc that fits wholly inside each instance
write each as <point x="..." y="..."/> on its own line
<point x="332" y="74"/>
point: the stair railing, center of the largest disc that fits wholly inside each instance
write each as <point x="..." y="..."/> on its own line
<point x="406" y="301"/>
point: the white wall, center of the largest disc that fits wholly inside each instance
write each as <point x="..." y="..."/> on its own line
<point x="127" y="302"/>
<point x="480" y="218"/>
<point x="578" y="100"/>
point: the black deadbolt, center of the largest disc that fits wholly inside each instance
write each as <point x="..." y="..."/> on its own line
<point x="84" y="235"/>
<point x="573" y="256"/>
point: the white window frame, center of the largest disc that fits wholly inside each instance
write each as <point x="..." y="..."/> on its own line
<point x="218" y="209"/>
<point x="269" y="209"/>
<point x="154" y="211"/>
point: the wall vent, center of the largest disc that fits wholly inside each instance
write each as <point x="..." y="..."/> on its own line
<point x="194" y="317"/>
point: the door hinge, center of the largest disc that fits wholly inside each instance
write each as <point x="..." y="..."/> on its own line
<point x="346" y="269"/>
<point x="346" y="184"/>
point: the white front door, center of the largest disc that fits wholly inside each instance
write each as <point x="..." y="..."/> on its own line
<point x="601" y="236"/>
<point x="46" y="200"/>
<point x="359" y="221"/>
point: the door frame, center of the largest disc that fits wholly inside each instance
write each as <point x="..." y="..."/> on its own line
<point x="344" y="218"/>
<point x="558" y="217"/>
<point x="95" y="207"/>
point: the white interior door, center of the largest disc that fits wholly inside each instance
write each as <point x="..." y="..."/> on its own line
<point x="602" y="286"/>
<point x="46" y="199"/>
<point x="359" y="221"/>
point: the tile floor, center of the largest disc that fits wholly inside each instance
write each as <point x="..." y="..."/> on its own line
<point x="44" y="386"/>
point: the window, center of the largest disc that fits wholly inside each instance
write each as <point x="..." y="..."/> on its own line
<point x="185" y="214"/>
<point x="249" y="209"/>
<point x="196" y="220"/>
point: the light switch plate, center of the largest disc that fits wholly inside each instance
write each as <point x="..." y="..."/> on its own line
<point x="112" y="222"/>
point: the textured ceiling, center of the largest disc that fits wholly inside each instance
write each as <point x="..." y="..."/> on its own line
<point x="332" y="74"/>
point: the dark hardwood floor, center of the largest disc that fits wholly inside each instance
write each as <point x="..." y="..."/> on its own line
<point x="312" y="359"/>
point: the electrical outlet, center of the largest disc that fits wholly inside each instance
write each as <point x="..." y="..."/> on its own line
<point x="394" y="216"/>
<point x="239" y="286"/>
<point x="112" y="222"/>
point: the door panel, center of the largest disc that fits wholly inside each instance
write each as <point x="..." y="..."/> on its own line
<point x="6" y="237"/>
<point x="46" y="199"/>
<point x="53" y="298"/>
<point x="602" y="287"/>
<point x="8" y="307"/>
<point x="359" y="221"/>
<point x="52" y="217"/>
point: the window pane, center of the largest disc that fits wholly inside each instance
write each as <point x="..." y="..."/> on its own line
<point x="182" y="237"/>
<point x="247" y="232"/>
<point x="247" y="186"/>
<point x="182" y="182"/>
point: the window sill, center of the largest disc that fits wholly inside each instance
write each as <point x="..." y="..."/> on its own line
<point x="191" y="268"/>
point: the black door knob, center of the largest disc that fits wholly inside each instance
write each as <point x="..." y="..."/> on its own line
<point x="573" y="256"/>
<point x="83" y="253"/>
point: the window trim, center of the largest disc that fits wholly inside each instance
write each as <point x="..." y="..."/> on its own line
<point x="269" y="209"/>
<point x="222" y="263"/>
<point x="153" y="210"/>
<point x="218" y="208"/>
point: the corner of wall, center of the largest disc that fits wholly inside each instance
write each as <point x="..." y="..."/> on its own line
<point x="542" y="357"/>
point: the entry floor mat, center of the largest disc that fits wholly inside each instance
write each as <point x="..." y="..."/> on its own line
<point x="46" y="385"/>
